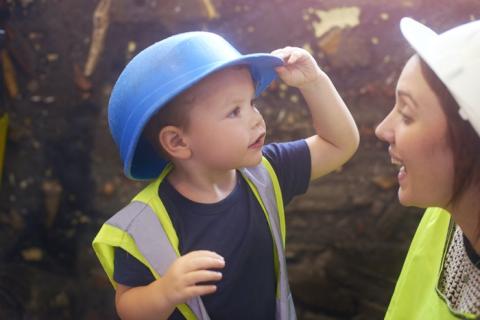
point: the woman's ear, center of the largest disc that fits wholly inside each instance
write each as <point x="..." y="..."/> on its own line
<point x="172" y="140"/>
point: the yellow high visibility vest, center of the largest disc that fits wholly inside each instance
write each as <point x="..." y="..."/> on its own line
<point x="144" y="230"/>
<point x="416" y="295"/>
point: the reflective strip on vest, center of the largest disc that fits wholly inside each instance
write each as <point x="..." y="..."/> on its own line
<point x="260" y="178"/>
<point x="140" y="222"/>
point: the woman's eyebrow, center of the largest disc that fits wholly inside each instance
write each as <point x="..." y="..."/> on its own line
<point x="408" y="96"/>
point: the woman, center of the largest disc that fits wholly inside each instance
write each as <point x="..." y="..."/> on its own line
<point x="433" y="132"/>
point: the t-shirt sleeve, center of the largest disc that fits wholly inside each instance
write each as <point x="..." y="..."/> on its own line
<point x="129" y="271"/>
<point x="292" y="164"/>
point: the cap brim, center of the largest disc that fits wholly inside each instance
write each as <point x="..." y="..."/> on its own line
<point x="418" y="36"/>
<point x="262" y="67"/>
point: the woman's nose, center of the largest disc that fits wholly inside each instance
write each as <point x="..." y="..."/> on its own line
<point x="383" y="132"/>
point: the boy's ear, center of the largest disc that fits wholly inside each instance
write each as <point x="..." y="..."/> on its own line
<point x="172" y="141"/>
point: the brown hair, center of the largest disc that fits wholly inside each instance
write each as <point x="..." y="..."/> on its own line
<point x="174" y="113"/>
<point x="463" y="139"/>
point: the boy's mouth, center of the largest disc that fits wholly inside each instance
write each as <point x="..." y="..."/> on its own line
<point x="258" y="143"/>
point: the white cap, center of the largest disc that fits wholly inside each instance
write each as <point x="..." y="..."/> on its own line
<point x="454" y="56"/>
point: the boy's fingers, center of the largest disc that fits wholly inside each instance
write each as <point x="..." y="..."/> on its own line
<point x="292" y="58"/>
<point x="281" y="53"/>
<point x="204" y="262"/>
<point x="203" y="253"/>
<point x="202" y="276"/>
<point x="281" y="69"/>
<point x="278" y="52"/>
<point x="196" y="291"/>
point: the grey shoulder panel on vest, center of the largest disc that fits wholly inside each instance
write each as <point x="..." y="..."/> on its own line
<point x="260" y="177"/>
<point x="123" y="218"/>
<point x="140" y="222"/>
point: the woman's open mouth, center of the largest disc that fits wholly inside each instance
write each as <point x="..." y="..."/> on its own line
<point x="402" y="171"/>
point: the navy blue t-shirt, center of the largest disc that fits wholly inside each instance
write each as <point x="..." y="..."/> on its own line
<point x="235" y="228"/>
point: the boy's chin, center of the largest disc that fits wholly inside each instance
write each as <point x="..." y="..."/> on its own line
<point x="254" y="162"/>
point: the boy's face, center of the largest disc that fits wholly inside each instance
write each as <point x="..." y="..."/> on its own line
<point x="225" y="130"/>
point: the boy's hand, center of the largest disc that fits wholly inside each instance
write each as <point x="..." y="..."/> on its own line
<point x="336" y="138"/>
<point x="299" y="68"/>
<point x="183" y="280"/>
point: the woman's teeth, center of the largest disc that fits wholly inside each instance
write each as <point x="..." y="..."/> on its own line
<point x="402" y="173"/>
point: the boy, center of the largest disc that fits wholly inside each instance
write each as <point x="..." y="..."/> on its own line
<point x="206" y="238"/>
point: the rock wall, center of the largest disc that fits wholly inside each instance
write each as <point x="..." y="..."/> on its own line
<point x="347" y="237"/>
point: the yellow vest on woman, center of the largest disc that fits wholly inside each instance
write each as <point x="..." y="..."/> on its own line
<point x="416" y="295"/>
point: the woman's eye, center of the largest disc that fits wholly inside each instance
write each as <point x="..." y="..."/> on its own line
<point x="234" y="113"/>
<point x="405" y="119"/>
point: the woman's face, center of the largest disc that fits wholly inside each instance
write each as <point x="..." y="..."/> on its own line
<point x="416" y="130"/>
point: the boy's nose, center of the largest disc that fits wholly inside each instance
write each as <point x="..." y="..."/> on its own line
<point x="256" y="118"/>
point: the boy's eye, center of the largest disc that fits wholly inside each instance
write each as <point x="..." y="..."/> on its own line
<point x="234" y="113"/>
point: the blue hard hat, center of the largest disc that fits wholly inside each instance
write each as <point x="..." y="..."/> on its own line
<point x="159" y="73"/>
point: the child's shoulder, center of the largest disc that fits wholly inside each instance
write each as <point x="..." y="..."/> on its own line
<point x="126" y="216"/>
